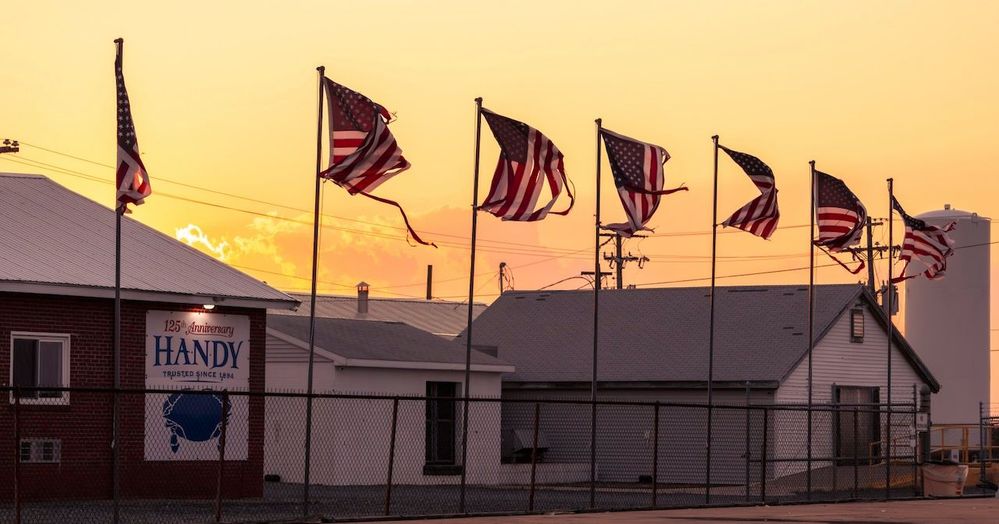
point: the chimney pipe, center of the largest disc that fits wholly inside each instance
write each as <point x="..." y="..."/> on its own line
<point x="502" y="267"/>
<point x="430" y="281"/>
<point x="362" y="298"/>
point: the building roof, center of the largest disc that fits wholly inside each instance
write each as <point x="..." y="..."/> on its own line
<point x="365" y="342"/>
<point x="440" y="317"/>
<point x="661" y="335"/>
<point x="55" y="241"/>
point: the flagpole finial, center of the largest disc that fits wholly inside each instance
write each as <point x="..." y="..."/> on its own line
<point x="599" y="121"/>
<point x="321" y="69"/>
<point x="478" y="100"/>
<point x="811" y="163"/>
<point x="119" y="40"/>
<point x="714" y="138"/>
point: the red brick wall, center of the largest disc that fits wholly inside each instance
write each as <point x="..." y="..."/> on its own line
<point x="85" y="424"/>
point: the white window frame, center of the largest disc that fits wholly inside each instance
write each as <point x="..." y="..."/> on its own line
<point x="64" y="338"/>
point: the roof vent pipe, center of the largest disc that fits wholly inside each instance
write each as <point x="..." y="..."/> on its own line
<point x="362" y="298"/>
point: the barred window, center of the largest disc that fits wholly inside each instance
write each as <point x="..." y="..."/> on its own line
<point x="40" y="360"/>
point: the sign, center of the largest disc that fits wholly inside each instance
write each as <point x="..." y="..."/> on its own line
<point x="192" y="351"/>
<point x="922" y="422"/>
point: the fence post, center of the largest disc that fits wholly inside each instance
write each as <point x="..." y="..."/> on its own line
<point x="856" y="455"/>
<point x="391" y="457"/>
<point x="224" y="408"/>
<point x="981" y="443"/>
<point x="888" y="441"/>
<point x="655" y="455"/>
<point x="17" y="456"/>
<point x="834" y="424"/>
<point x="914" y="443"/>
<point x="764" y="457"/>
<point x="534" y="455"/>
<point x="747" y="441"/>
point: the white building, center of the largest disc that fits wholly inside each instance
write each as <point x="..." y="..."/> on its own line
<point x="653" y="346"/>
<point x="351" y="436"/>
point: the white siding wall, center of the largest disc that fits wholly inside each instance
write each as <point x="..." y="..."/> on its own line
<point x="351" y="436"/>
<point x="836" y="361"/>
<point x="625" y="433"/>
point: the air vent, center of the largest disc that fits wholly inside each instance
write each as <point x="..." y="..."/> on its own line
<point x="798" y="334"/>
<point x="41" y="451"/>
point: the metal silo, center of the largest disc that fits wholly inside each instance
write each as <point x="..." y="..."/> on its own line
<point x="947" y="320"/>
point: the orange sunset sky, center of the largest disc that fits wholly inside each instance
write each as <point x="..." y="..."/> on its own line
<point x="224" y="98"/>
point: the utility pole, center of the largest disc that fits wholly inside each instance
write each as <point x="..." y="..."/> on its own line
<point x="618" y="260"/>
<point x="596" y="281"/>
<point x="502" y="268"/>
<point x="10" y="146"/>
<point x="870" y="256"/>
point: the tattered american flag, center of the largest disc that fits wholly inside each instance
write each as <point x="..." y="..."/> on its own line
<point x="527" y="159"/>
<point x="841" y="216"/>
<point x="131" y="179"/>
<point x="638" y="174"/>
<point x="760" y="215"/>
<point x="363" y="152"/>
<point x="928" y="244"/>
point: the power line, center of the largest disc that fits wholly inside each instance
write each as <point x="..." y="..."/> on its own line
<point x="270" y="203"/>
<point x="398" y="228"/>
<point x="536" y="251"/>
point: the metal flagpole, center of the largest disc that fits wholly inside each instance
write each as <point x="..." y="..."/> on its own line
<point x="811" y="321"/>
<point x="596" y="324"/>
<point x="115" y="458"/>
<point x="711" y="328"/>
<point x="312" y="300"/>
<point x="471" y="301"/>
<point x="888" y="302"/>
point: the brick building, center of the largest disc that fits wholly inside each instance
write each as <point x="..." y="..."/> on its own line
<point x="189" y="322"/>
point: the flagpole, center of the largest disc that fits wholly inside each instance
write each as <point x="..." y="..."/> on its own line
<point x="312" y="299"/>
<point x="471" y="302"/>
<point x="888" y="302"/>
<point x="711" y="324"/>
<point x="596" y="325"/>
<point x="115" y="455"/>
<point x="811" y="320"/>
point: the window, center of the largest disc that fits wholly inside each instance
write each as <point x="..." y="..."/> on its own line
<point x="857" y="325"/>
<point x="42" y="451"/>
<point x="442" y="417"/>
<point x="39" y="360"/>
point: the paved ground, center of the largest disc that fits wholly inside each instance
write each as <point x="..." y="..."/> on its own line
<point x="898" y="512"/>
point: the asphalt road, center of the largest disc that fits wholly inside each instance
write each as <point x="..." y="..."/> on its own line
<point x="898" y="512"/>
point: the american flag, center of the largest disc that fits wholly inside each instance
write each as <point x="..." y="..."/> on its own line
<point x="363" y="152"/>
<point x="841" y="216"/>
<point x="638" y="174"/>
<point x="527" y="158"/>
<point x="131" y="178"/>
<point x="928" y="244"/>
<point x="760" y="215"/>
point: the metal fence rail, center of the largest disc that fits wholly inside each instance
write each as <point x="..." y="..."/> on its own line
<point x="207" y="456"/>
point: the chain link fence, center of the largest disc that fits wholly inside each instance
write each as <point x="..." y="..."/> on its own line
<point x="203" y="456"/>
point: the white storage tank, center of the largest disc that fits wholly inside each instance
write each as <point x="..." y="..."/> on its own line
<point x="947" y="320"/>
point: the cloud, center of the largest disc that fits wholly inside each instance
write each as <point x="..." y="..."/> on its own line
<point x="194" y="236"/>
<point x="260" y="247"/>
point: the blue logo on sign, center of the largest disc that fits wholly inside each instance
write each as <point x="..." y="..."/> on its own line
<point x="194" y="418"/>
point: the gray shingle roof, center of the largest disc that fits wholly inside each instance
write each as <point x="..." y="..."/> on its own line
<point x="439" y="317"/>
<point x="55" y="240"/>
<point x="368" y="340"/>
<point x="659" y="335"/>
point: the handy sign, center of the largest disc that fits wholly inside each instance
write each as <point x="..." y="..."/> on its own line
<point x="190" y="351"/>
